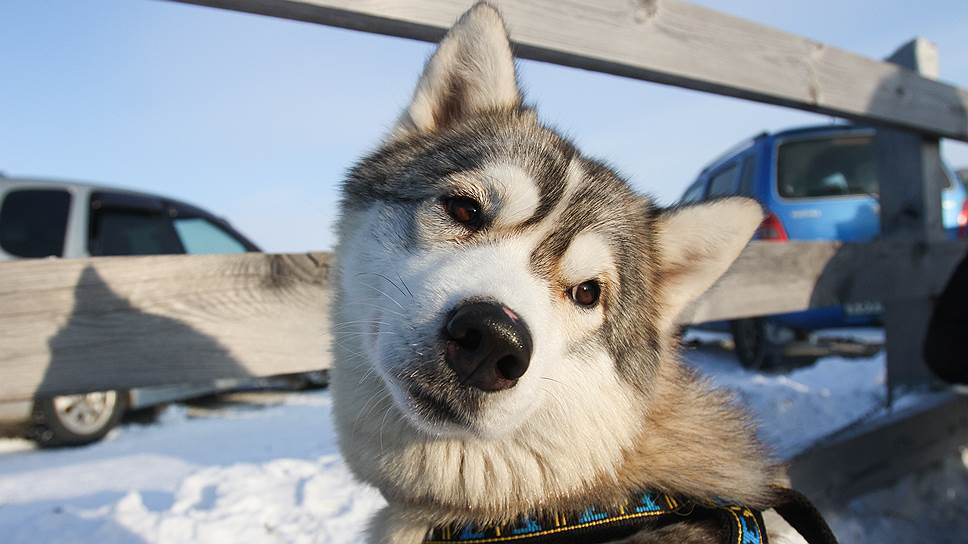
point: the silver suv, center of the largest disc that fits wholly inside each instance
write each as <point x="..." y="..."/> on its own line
<point x="43" y="218"/>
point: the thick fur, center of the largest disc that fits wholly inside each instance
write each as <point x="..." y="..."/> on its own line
<point x="605" y="407"/>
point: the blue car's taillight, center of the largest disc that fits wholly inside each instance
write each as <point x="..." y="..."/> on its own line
<point x="771" y="229"/>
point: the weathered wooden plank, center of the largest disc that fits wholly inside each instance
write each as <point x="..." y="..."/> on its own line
<point x="774" y="277"/>
<point x="85" y="324"/>
<point x="672" y="42"/>
<point x="118" y="322"/>
<point x="877" y="453"/>
<point x="911" y="178"/>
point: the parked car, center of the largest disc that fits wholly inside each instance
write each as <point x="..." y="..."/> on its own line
<point x="43" y="218"/>
<point x="815" y="183"/>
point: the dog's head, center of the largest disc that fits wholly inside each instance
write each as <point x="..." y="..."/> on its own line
<point x="491" y="275"/>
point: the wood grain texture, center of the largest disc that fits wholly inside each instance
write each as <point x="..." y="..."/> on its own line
<point x="671" y="42"/>
<point x="78" y="325"/>
<point x="771" y="277"/>
<point x="911" y="177"/>
<point x="878" y="452"/>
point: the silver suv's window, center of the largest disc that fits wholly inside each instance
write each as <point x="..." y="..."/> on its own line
<point x="827" y="167"/>
<point x="117" y="231"/>
<point x="200" y="236"/>
<point x="33" y="222"/>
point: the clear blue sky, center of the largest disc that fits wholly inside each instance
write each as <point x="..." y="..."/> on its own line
<point x="257" y="119"/>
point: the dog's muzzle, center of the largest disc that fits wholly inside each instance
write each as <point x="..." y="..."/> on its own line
<point x="488" y="345"/>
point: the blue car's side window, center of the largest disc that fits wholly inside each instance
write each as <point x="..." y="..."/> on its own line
<point x="724" y="182"/>
<point x="746" y="177"/>
<point x="694" y="192"/>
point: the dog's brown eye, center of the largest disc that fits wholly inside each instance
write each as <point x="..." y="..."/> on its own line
<point x="586" y="293"/>
<point x="465" y="211"/>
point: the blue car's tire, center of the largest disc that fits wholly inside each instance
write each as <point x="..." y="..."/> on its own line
<point x="754" y="347"/>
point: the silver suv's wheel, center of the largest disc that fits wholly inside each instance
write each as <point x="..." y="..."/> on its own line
<point x="85" y="414"/>
<point x="73" y="420"/>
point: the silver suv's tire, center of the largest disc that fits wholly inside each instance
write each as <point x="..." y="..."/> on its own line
<point x="74" y="420"/>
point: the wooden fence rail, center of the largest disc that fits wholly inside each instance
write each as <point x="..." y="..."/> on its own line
<point x="874" y="453"/>
<point x="673" y="42"/>
<point x="77" y="325"/>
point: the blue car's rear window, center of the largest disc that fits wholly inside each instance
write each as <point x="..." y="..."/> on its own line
<point x="827" y="167"/>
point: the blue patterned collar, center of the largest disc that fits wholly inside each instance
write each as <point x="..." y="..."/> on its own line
<point x="739" y="524"/>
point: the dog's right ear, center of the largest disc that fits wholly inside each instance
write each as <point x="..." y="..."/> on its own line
<point x="697" y="244"/>
<point x="472" y="71"/>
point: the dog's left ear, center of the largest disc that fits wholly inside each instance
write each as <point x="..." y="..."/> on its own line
<point x="472" y="71"/>
<point x="698" y="243"/>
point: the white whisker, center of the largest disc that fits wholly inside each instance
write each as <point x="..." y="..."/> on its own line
<point x="388" y="297"/>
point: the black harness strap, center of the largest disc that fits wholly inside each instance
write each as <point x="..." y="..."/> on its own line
<point x="803" y="516"/>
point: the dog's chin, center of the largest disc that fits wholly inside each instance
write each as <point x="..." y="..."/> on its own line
<point x="459" y="412"/>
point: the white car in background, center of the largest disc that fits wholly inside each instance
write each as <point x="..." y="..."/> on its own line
<point x="44" y="218"/>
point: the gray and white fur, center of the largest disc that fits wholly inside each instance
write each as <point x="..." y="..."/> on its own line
<point x="605" y="407"/>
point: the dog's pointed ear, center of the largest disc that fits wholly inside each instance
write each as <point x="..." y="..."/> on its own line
<point x="698" y="243"/>
<point x="471" y="71"/>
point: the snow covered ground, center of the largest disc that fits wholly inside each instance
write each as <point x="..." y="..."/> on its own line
<point x="796" y="408"/>
<point x="266" y="469"/>
<point x="234" y="474"/>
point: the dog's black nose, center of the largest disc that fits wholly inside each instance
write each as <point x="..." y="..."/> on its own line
<point x="489" y="346"/>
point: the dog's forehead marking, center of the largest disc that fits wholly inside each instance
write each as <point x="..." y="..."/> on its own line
<point x="514" y="190"/>
<point x="557" y="202"/>
<point x="556" y="231"/>
<point x="587" y="257"/>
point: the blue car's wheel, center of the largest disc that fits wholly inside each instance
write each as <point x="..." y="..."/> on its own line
<point x="756" y="346"/>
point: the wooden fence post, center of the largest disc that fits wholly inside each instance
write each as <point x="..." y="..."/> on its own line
<point x="910" y="173"/>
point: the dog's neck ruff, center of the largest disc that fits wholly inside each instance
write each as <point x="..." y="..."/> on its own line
<point x="644" y="511"/>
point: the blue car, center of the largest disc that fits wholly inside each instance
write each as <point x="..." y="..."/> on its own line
<point x="816" y="183"/>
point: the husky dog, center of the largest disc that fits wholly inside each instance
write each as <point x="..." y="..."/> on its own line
<point x="504" y="317"/>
